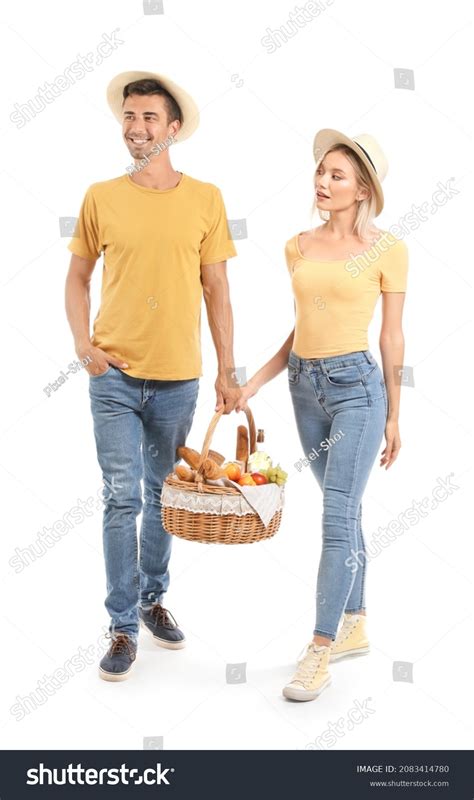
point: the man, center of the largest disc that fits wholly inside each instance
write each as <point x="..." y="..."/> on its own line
<point x="165" y="240"/>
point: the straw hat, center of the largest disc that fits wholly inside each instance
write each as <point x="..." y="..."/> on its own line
<point x="363" y="145"/>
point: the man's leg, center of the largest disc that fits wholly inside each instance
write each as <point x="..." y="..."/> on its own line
<point x="115" y="405"/>
<point x="167" y="419"/>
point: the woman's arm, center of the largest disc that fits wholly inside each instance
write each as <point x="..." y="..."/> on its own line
<point x="392" y="349"/>
<point x="270" y="370"/>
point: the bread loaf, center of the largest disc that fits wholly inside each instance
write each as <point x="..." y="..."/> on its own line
<point x="209" y="468"/>
<point x="242" y="449"/>
<point x="184" y="473"/>
<point x="217" y="457"/>
<point x="192" y="457"/>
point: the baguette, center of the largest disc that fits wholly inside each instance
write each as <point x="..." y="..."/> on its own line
<point x="184" y="473"/>
<point x="217" y="457"/>
<point x="192" y="457"/>
<point x="242" y="449"/>
<point x="212" y="470"/>
<point x="209" y="467"/>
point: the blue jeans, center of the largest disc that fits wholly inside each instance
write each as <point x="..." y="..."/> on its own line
<point x="138" y="424"/>
<point x="340" y="405"/>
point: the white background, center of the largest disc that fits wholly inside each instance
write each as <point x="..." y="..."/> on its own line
<point x="252" y="605"/>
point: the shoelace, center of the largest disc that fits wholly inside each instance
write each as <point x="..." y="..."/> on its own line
<point x="163" y="616"/>
<point x="308" y="665"/>
<point x="347" y="627"/>
<point x="121" y="644"/>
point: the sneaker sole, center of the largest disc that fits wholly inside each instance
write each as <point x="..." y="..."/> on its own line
<point x="361" y="651"/>
<point x="302" y="695"/>
<point x="164" y="642"/>
<point x="115" y="676"/>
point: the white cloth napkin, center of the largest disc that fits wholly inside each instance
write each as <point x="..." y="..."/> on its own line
<point x="265" y="499"/>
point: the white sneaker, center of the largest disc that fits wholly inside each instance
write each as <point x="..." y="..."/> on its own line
<point x="312" y="675"/>
<point x="352" y="638"/>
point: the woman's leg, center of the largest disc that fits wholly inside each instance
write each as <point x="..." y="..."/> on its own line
<point x="314" y="426"/>
<point x="350" y="419"/>
<point x="358" y="412"/>
<point x="356" y="600"/>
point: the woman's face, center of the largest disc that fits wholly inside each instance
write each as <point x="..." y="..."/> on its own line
<point x="336" y="184"/>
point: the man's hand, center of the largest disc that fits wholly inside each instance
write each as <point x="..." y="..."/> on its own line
<point x="98" y="360"/>
<point x="226" y="396"/>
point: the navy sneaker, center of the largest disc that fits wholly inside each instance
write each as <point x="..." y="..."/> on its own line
<point x="163" y="626"/>
<point x="119" y="659"/>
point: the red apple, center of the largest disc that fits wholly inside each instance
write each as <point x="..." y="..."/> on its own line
<point x="259" y="478"/>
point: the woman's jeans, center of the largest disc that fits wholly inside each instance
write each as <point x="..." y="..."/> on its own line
<point x="138" y="424"/>
<point x="340" y="404"/>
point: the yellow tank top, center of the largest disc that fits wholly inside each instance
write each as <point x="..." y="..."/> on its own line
<point x="335" y="300"/>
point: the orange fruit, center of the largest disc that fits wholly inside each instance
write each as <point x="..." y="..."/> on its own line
<point x="232" y="471"/>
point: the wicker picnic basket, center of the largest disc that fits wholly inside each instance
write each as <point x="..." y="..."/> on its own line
<point x="214" y="514"/>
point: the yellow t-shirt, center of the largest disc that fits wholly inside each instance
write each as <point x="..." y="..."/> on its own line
<point x="154" y="243"/>
<point x="335" y="300"/>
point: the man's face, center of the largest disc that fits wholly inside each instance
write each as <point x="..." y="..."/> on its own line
<point x="145" y="123"/>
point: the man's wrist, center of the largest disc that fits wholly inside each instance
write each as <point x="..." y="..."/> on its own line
<point x="83" y="341"/>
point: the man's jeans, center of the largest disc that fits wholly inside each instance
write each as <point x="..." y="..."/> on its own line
<point x="138" y="424"/>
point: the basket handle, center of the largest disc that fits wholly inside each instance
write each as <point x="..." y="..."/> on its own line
<point x="211" y="429"/>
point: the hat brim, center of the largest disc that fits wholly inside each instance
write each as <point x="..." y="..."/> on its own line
<point x="187" y="105"/>
<point x="327" y="138"/>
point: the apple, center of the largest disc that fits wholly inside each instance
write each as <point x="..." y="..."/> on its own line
<point x="232" y="471"/>
<point x="259" y="478"/>
<point x="246" y="480"/>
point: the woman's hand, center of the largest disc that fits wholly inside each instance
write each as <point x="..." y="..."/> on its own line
<point x="392" y="448"/>
<point x="246" y="391"/>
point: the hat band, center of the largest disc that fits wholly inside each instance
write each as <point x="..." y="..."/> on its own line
<point x="366" y="153"/>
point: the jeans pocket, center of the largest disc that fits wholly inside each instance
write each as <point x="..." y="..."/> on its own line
<point x="349" y="375"/>
<point x="369" y="371"/>
<point x="101" y="374"/>
<point x="293" y="374"/>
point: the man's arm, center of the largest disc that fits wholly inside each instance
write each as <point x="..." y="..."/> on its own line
<point x="221" y="322"/>
<point x="78" y="314"/>
<point x="78" y="299"/>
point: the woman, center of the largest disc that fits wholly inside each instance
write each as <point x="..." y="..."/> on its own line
<point x="338" y="270"/>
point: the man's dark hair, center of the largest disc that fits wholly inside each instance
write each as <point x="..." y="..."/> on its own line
<point x="152" y="86"/>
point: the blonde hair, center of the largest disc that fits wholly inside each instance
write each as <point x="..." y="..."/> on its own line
<point x="363" y="223"/>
